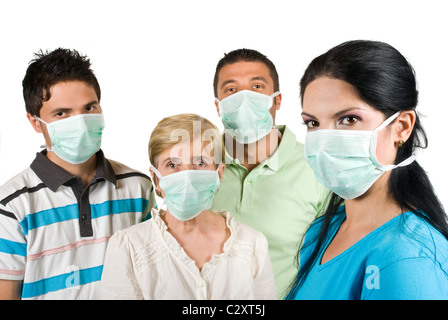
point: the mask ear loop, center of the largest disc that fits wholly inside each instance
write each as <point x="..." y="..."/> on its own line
<point x="157" y="172"/>
<point x="387" y="121"/>
<point x="43" y="145"/>
<point x="275" y="94"/>
<point x="159" y="175"/>
<point x="373" y="144"/>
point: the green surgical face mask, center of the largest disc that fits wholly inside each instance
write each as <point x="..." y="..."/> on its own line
<point x="345" y="162"/>
<point x="75" y="139"/>
<point x="245" y="115"/>
<point x="188" y="192"/>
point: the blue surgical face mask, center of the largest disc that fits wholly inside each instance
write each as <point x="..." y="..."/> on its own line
<point x="245" y="115"/>
<point x="188" y="192"/>
<point x="345" y="161"/>
<point x="75" y="139"/>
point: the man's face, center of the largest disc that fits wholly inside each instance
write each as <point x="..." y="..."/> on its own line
<point x="246" y="75"/>
<point x="68" y="99"/>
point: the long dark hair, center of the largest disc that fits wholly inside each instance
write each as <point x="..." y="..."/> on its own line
<point x="386" y="81"/>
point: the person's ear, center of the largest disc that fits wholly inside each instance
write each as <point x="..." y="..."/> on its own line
<point x="404" y="124"/>
<point x="278" y="101"/>
<point x="221" y="169"/>
<point x="154" y="177"/>
<point x="35" y="123"/>
<point x="217" y="107"/>
<point x="39" y="127"/>
<point x="155" y="181"/>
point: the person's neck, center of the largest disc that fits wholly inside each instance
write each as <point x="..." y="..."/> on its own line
<point x="374" y="208"/>
<point x="251" y="155"/>
<point x="85" y="171"/>
<point x="176" y="226"/>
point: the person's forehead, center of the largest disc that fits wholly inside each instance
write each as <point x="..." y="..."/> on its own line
<point x="69" y="95"/>
<point x="188" y="149"/>
<point x="244" y="70"/>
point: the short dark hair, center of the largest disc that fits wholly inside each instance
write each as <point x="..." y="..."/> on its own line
<point x="50" y="68"/>
<point x="247" y="55"/>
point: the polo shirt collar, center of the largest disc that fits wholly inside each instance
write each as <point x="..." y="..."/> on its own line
<point x="279" y="157"/>
<point x="53" y="176"/>
<point x="284" y="151"/>
<point x="104" y="169"/>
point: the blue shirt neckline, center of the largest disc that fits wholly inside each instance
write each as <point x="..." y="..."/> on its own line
<point x="341" y="217"/>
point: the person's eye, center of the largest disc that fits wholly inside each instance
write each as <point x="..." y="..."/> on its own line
<point x="200" y="164"/>
<point x="90" y="108"/>
<point x="171" y="165"/>
<point x="349" y="120"/>
<point x="311" y="124"/>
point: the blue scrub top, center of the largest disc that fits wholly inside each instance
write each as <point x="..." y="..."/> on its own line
<point x="405" y="258"/>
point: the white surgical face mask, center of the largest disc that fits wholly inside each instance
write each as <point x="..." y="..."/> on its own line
<point x="75" y="139"/>
<point x="345" y="161"/>
<point x="246" y="116"/>
<point x="188" y="192"/>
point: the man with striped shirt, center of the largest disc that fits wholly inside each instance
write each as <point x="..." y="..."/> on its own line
<point x="57" y="216"/>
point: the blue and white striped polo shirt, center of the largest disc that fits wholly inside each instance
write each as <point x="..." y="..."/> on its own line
<point x="54" y="232"/>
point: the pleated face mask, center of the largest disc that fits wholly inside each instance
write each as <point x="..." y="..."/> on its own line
<point x="188" y="192"/>
<point x="345" y="161"/>
<point x="245" y="115"/>
<point x="75" y="139"/>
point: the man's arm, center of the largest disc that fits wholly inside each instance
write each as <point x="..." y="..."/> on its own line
<point x="10" y="289"/>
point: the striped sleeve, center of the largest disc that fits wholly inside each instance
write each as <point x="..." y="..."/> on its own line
<point x="13" y="246"/>
<point x="144" y="186"/>
<point x="151" y="203"/>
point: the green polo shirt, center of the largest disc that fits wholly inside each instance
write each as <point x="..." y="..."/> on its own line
<point x="280" y="197"/>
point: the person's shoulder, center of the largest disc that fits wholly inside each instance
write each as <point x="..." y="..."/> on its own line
<point x="135" y="236"/>
<point x="125" y="173"/>
<point x="245" y="240"/>
<point x="289" y="137"/>
<point x="423" y="235"/>
<point x="241" y="231"/>
<point x="412" y="237"/>
<point x="293" y="151"/>
<point x="121" y="169"/>
<point x="22" y="181"/>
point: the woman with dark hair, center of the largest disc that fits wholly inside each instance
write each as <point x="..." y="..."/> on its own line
<point x="384" y="233"/>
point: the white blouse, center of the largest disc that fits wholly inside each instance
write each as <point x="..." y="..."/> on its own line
<point x="146" y="262"/>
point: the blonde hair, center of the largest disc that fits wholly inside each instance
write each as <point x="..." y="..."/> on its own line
<point x="175" y="129"/>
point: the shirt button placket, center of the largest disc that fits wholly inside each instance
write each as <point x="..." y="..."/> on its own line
<point x="202" y="289"/>
<point x="248" y="192"/>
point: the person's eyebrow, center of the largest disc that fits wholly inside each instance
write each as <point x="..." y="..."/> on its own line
<point x="340" y="113"/>
<point x="227" y="82"/>
<point x="196" y="158"/>
<point x="58" y="110"/>
<point x="63" y="109"/>
<point x="173" y="159"/>
<point x="93" y="102"/>
<point x="252" y="79"/>
<point x="203" y="157"/>
<point x="260" y="78"/>
<point x="308" y="115"/>
<point x="336" y="115"/>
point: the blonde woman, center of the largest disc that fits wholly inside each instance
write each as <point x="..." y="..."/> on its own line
<point x="186" y="251"/>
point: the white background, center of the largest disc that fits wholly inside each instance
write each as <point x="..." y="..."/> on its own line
<point x="157" y="58"/>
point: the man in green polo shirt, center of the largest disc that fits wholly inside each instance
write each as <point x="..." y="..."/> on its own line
<point x="267" y="183"/>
